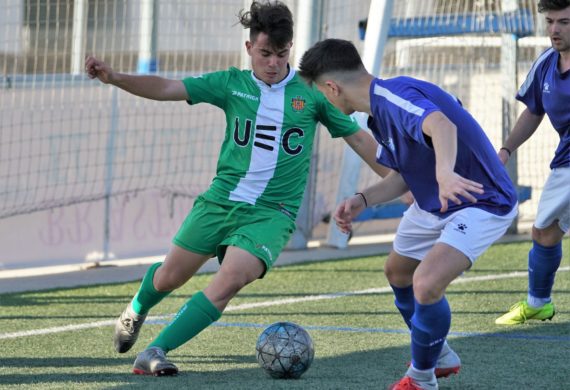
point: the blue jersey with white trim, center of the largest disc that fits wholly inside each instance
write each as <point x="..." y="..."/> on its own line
<point x="399" y="107"/>
<point x="546" y="90"/>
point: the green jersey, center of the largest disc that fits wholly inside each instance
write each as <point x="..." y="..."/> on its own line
<point x="266" y="153"/>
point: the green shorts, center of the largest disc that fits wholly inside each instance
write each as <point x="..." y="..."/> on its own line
<point x="211" y="227"/>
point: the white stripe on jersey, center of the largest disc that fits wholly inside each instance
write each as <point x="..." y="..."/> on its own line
<point x="530" y="77"/>
<point x="398" y="101"/>
<point x="378" y="152"/>
<point x="263" y="161"/>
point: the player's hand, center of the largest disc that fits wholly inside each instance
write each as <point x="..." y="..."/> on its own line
<point x="451" y="185"/>
<point x="98" y="69"/>
<point x="347" y="211"/>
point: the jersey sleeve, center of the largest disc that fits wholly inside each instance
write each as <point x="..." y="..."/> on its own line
<point x="208" y="88"/>
<point x="337" y="123"/>
<point x="408" y="110"/>
<point x="530" y="92"/>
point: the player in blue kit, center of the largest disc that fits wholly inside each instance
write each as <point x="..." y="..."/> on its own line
<point x="464" y="199"/>
<point x="546" y="90"/>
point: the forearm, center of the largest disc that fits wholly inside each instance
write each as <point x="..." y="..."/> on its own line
<point x="150" y="87"/>
<point x="389" y="188"/>
<point x="524" y="128"/>
<point x="443" y="134"/>
<point x="366" y="147"/>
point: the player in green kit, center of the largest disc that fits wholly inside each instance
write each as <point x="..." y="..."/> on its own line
<point x="247" y="215"/>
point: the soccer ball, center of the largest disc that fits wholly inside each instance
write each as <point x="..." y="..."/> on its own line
<point x="284" y="350"/>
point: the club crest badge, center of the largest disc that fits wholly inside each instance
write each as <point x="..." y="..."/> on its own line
<point x="298" y="103"/>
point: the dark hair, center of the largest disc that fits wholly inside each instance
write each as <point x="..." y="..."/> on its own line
<point x="271" y="18"/>
<point x="329" y="55"/>
<point x="553" y="5"/>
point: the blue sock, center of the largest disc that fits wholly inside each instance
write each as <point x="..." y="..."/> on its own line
<point x="543" y="261"/>
<point x="405" y="302"/>
<point x="430" y="325"/>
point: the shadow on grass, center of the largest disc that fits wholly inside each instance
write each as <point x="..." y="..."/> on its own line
<point x="504" y="359"/>
<point x="44" y="298"/>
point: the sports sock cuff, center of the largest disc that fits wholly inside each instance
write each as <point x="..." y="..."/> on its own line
<point x="148" y="296"/>
<point x="404" y="294"/>
<point x="201" y="301"/>
<point x="555" y="250"/>
<point x="147" y="282"/>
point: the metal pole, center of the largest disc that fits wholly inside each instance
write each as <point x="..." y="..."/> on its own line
<point x="78" y="36"/>
<point x="109" y="171"/>
<point x="509" y="59"/>
<point x="147" y="62"/>
<point x="244" y="58"/>
<point x="375" y="40"/>
<point x="377" y="34"/>
<point x="308" y="32"/>
<point x="509" y="51"/>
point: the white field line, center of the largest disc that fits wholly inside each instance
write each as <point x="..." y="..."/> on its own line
<point x="246" y="306"/>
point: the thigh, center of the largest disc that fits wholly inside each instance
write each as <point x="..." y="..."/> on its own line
<point x="440" y="267"/>
<point x="417" y="233"/>
<point x="204" y="228"/>
<point x="554" y="204"/>
<point x="179" y="266"/>
<point x="238" y="269"/>
<point x="399" y="269"/>
<point x="262" y="232"/>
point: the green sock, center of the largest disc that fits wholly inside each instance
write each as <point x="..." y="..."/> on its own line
<point x="147" y="296"/>
<point x="195" y="316"/>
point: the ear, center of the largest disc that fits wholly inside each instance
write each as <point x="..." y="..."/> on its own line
<point x="334" y="87"/>
<point x="248" y="47"/>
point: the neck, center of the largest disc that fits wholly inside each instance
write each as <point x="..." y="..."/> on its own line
<point x="564" y="61"/>
<point x="358" y="93"/>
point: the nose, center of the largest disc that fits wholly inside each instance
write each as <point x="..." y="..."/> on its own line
<point x="273" y="61"/>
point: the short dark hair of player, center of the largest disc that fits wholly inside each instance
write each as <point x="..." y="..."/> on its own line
<point x="553" y="5"/>
<point x="271" y="18"/>
<point x="329" y="56"/>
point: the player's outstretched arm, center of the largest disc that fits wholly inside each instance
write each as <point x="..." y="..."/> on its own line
<point x="366" y="147"/>
<point x="150" y="87"/>
<point x="443" y="134"/>
<point x="389" y="188"/>
<point x="524" y="128"/>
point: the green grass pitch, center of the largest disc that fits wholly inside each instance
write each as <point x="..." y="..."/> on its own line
<point x="346" y="305"/>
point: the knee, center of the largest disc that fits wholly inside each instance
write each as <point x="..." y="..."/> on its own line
<point x="425" y="292"/>
<point x="224" y="288"/>
<point x="166" y="279"/>
<point x="234" y="282"/>
<point x="396" y="276"/>
<point x="546" y="237"/>
<point x="390" y="272"/>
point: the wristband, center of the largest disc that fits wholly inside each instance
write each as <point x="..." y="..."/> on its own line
<point x="363" y="198"/>
<point x="506" y="150"/>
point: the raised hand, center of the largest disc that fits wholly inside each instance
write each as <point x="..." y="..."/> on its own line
<point x="347" y="210"/>
<point x="98" y="69"/>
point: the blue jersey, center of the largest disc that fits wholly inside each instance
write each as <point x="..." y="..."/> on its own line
<point x="546" y="90"/>
<point x="399" y="107"/>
